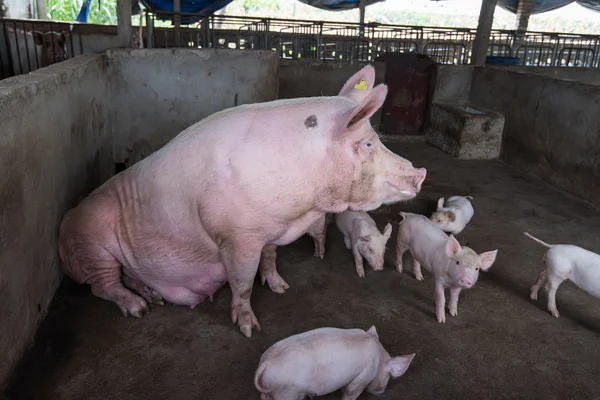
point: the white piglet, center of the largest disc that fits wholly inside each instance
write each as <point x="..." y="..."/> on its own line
<point x="323" y="360"/>
<point x="453" y="266"/>
<point x="362" y="236"/>
<point x="454" y="215"/>
<point x="566" y="261"/>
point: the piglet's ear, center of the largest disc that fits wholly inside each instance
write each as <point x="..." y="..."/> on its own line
<point x="387" y="231"/>
<point x="38" y="37"/>
<point x="367" y="107"/>
<point x="373" y="332"/>
<point x="397" y="366"/>
<point x="487" y="259"/>
<point x="440" y="204"/>
<point x="359" y="85"/>
<point x="452" y="246"/>
<point x="451" y="216"/>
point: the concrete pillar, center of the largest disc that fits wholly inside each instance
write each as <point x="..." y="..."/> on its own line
<point x="177" y="21"/>
<point x="482" y="37"/>
<point x="524" y="9"/>
<point x="362" y="8"/>
<point x="124" y="29"/>
<point x="42" y="11"/>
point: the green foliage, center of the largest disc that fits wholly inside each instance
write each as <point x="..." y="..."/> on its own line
<point x="67" y="10"/>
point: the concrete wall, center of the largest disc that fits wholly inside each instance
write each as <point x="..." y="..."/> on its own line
<point x="60" y="126"/>
<point x="451" y="83"/>
<point x="583" y="75"/>
<point x="55" y="147"/>
<point x="158" y="93"/>
<point x="552" y="127"/>
<point x="308" y="78"/>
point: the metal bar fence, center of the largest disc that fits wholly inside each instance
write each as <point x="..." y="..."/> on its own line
<point x="23" y="50"/>
<point x="27" y="45"/>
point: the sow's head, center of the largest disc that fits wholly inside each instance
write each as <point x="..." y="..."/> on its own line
<point x="377" y="176"/>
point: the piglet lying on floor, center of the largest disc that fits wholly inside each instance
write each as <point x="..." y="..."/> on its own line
<point x="453" y="266"/>
<point x="362" y="236"/>
<point x="453" y="216"/>
<point x="323" y="360"/>
<point x="565" y="261"/>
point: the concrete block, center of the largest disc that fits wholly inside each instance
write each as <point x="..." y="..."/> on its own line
<point x="466" y="132"/>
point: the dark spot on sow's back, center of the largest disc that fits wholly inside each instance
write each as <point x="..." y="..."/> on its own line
<point x="311" y="121"/>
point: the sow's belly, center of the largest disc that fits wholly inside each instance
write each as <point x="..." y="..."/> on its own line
<point x="183" y="267"/>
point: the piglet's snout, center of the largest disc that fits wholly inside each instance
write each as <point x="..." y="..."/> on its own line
<point x="465" y="282"/>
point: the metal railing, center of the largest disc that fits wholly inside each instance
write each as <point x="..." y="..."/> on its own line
<point x="26" y="45"/>
<point x="354" y="42"/>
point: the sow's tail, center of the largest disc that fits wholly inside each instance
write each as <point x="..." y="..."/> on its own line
<point x="258" y="378"/>
<point x="537" y="240"/>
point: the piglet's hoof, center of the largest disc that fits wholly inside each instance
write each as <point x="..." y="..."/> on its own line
<point x="441" y="318"/>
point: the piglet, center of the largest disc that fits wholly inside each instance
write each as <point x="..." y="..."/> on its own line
<point x="323" y="360"/>
<point x="362" y="236"/>
<point x="268" y="256"/>
<point x="565" y="261"/>
<point x="453" y="266"/>
<point x="453" y="216"/>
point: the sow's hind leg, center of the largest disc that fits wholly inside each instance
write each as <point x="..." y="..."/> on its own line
<point x="86" y="262"/>
<point x="151" y="296"/>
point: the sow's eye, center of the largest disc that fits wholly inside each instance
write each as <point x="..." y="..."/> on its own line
<point x="369" y="145"/>
<point x="457" y="262"/>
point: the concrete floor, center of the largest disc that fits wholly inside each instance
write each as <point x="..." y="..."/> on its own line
<point x="501" y="346"/>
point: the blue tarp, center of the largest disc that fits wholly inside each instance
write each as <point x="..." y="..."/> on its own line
<point x="189" y="6"/>
<point x="542" y="6"/>
<point x="337" y="5"/>
<point x="208" y="7"/>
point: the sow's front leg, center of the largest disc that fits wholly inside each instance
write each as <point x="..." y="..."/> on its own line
<point x="241" y="263"/>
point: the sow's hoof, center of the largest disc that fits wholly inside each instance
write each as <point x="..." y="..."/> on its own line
<point x="245" y="318"/>
<point x="136" y="307"/>
<point x="276" y="283"/>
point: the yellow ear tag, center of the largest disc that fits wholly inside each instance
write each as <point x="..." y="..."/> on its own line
<point x="361" y="86"/>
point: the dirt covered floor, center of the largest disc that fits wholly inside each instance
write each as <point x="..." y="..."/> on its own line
<point x="501" y="345"/>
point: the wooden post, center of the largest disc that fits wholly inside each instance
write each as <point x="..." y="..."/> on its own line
<point x="484" y="28"/>
<point x="124" y="30"/>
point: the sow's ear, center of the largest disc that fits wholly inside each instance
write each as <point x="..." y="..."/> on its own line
<point x="366" y="108"/>
<point x="367" y="74"/>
